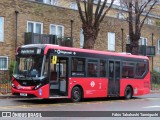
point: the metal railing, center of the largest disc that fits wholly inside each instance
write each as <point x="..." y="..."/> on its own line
<point x="35" y="38"/>
<point x="143" y="50"/>
<point x="5" y="75"/>
<point x="155" y="81"/>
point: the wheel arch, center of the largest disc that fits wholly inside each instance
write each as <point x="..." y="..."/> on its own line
<point x="130" y="87"/>
<point x="77" y="85"/>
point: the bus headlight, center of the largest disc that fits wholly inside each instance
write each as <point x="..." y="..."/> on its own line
<point x="37" y="86"/>
<point x="13" y="85"/>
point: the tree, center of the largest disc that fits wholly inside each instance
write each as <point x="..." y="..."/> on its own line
<point x="91" y="19"/>
<point x="138" y="11"/>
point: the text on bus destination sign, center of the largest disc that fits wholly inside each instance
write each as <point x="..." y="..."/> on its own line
<point x="27" y="51"/>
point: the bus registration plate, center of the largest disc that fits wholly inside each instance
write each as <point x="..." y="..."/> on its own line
<point x="23" y="94"/>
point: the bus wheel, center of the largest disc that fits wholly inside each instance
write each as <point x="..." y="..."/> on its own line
<point x="128" y="93"/>
<point x="76" y="94"/>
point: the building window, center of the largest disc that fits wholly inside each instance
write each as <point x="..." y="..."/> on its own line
<point x="57" y="30"/>
<point x="120" y="15"/>
<point x="54" y="2"/>
<point x="34" y="27"/>
<point x="3" y="63"/>
<point x="149" y="21"/>
<point x="1" y="29"/>
<point x="142" y="40"/>
<point x="158" y="46"/>
<point x="111" y="41"/>
<point x="39" y="0"/>
<point x="116" y="2"/>
<point x="95" y="1"/>
<point x="51" y="2"/>
<point x="73" y="5"/>
<point x="81" y="38"/>
<point x="47" y="1"/>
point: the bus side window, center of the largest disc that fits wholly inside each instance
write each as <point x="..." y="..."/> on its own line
<point x="124" y="73"/>
<point x="78" y="67"/>
<point x="102" y="68"/>
<point x="140" y="69"/>
<point x="92" y="68"/>
<point x="128" y="70"/>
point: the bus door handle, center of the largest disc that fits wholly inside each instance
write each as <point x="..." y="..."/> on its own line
<point x="74" y="81"/>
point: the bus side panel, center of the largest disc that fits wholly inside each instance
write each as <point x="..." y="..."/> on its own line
<point x="92" y="87"/>
<point x="140" y="86"/>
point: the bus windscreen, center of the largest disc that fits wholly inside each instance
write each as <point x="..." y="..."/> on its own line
<point x="28" y="66"/>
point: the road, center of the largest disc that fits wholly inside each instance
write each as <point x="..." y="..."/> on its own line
<point x="149" y="102"/>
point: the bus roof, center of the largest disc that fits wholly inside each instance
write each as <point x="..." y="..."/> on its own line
<point x="47" y="47"/>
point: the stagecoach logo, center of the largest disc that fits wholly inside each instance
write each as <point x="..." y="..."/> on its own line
<point x="92" y="84"/>
<point x="24" y="88"/>
<point x="65" y="52"/>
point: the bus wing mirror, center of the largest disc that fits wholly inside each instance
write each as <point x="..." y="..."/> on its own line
<point x="54" y="59"/>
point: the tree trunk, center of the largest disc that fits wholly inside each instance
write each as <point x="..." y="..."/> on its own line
<point x="134" y="46"/>
<point x="90" y="35"/>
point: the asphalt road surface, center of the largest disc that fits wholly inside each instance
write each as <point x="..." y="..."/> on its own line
<point x="107" y="108"/>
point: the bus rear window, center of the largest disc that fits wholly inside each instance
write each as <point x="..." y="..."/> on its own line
<point x="140" y="69"/>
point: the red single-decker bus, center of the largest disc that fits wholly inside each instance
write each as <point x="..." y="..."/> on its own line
<point x="52" y="71"/>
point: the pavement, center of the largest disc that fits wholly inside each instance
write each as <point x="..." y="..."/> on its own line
<point x="9" y="95"/>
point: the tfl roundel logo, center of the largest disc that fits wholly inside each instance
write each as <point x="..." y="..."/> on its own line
<point x="92" y="84"/>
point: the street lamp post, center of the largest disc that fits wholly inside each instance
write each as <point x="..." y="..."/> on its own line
<point x="122" y="38"/>
<point x="72" y="32"/>
<point x="16" y="12"/>
<point x="71" y="29"/>
<point x="152" y="56"/>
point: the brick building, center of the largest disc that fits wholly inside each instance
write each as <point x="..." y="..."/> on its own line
<point x="55" y="16"/>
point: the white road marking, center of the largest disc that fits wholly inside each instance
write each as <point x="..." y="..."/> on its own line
<point x="155" y="106"/>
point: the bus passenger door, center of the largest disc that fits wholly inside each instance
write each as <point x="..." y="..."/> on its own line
<point x="59" y="76"/>
<point x="114" y="78"/>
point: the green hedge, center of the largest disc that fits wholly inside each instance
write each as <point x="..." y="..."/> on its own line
<point x="11" y="67"/>
<point x="155" y="77"/>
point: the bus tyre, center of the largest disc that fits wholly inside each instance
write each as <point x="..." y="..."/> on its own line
<point x="128" y="93"/>
<point x="76" y="94"/>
